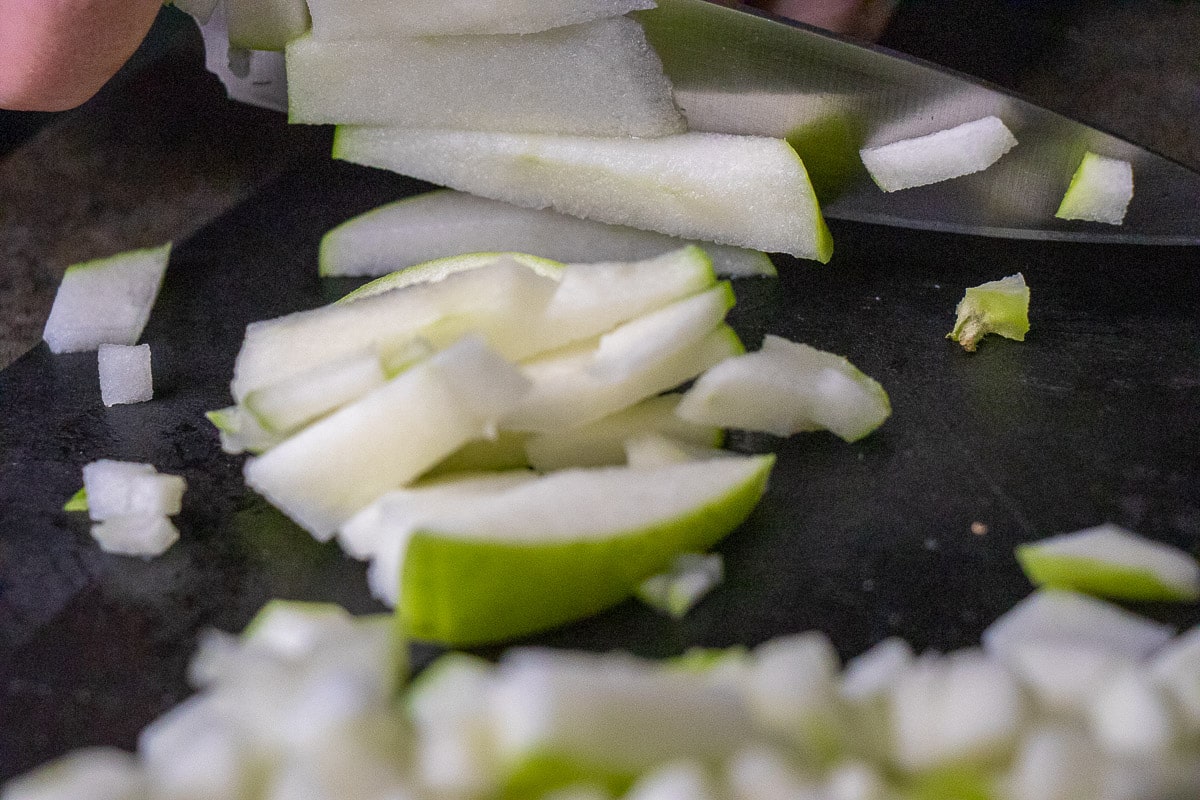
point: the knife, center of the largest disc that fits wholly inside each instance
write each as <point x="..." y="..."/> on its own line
<point x="740" y="70"/>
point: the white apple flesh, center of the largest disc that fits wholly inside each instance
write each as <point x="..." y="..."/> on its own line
<point x="740" y="190"/>
<point x="330" y="470"/>
<point x="106" y="301"/>
<point x="952" y="153"/>
<point x="445" y="223"/>
<point x="599" y="78"/>
<point x="1100" y="191"/>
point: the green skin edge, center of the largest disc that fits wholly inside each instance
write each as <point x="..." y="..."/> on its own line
<point x="99" y="263"/>
<point x="823" y="240"/>
<point x="1095" y="577"/>
<point x="78" y="501"/>
<point x="442" y="267"/>
<point x="457" y="593"/>
<point x="984" y="312"/>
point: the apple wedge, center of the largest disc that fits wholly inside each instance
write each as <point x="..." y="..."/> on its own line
<point x="1110" y="561"/>
<point x="441" y="224"/>
<point x="1100" y="190"/>
<point x="567" y="392"/>
<point x="599" y="78"/>
<point x="330" y="470"/>
<point x="787" y="388"/>
<point x="952" y="153"/>
<point x="740" y="190"/>
<point x="602" y="442"/>
<point x="365" y="19"/>
<point x="290" y="404"/>
<point x="443" y="267"/>
<point x="492" y="565"/>
<point x="105" y="301"/>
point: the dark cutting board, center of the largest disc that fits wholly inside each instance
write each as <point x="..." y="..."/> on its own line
<point x="1095" y="417"/>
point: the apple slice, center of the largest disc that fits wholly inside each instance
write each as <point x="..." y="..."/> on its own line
<point x="599" y="78"/>
<point x="491" y="565"/>
<point x="1110" y="561"/>
<point x="442" y="268"/>
<point x="106" y="301"/>
<point x="741" y="190"/>
<point x="274" y="350"/>
<point x="330" y="470"/>
<point x="952" y="153"/>
<point x="1000" y="307"/>
<point x="602" y="442"/>
<point x="366" y="19"/>
<point x="265" y="24"/>
<point x="785" y="388"/>
<point x="1100" y="190"/>
<point x="292" y="403"/>
<point x="566" y="391"/>
<point x="441" y="224"/>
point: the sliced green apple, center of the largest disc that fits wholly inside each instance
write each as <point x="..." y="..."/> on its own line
<point x="77" y="501"/>
<point x="292" y="403"/>
<point x="1111" y="561"/>
<point x="599" y="78"/>
<point x="740" y="190"/>
<point x="952" y="153"/>
<point x="1000" y="307"/>
<point x="567" y="393"/>
<point x="602" y="442"/>
<point x="364" y="19"/>
<point x="1100" y="190"/>
<point x="439" y="268"/>
<point x="785" y="388"/>
<point x="274" y="350"/>
<point x="106" y="301"/>
<point x="323" y="475"/>
<point x="97" y="773"/>
<point x="439" y="225"/>
<point x="498" y="564"/>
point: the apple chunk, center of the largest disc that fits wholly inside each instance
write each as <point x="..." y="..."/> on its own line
<point x="600" y="78"/>
<point x="786" y="388"/>
<point x="748" y="191"/>
<point x="1100" y="190"/>
<point x="952" y="153"/>
<point x="323" y="475"/>
<point x="1000" y="307"/>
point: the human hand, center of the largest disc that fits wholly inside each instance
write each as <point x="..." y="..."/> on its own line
<point x="55" y="54"/>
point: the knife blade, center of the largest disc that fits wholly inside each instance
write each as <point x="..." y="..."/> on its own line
<point x="740" y="70"/>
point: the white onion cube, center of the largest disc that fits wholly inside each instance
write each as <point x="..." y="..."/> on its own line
<point x="125" y="374"/>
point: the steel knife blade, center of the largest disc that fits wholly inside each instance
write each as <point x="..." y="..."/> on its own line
<point x="739" y="70"/>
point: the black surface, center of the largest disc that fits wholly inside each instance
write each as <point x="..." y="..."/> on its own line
<point x="1093" y="418"/>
